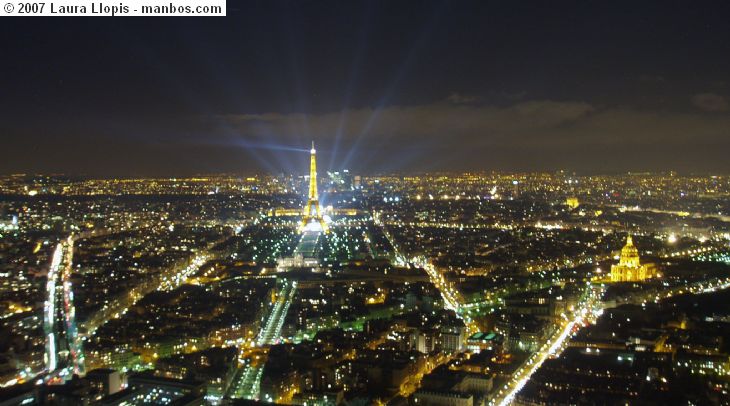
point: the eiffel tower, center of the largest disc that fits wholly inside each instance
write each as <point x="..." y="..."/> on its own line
<point x="312" y="216"/>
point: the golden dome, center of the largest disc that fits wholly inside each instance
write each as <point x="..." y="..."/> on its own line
<point x="629" y="254"/>
<point x="629" y="269"/>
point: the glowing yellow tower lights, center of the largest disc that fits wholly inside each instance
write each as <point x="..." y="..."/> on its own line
<point x="312" y="216"/>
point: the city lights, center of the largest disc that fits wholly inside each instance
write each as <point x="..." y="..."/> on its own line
<point x="506" y="205"/>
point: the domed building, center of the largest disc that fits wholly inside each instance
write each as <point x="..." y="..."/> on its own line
<point x="629" y="267"/>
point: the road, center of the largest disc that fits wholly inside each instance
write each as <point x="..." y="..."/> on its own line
<point x="169" y="279"/>
<point x="587" y="311"/>
<point x="64" y="353"/>
<point x="271" y="333"/>
<point x="247" y="383"/>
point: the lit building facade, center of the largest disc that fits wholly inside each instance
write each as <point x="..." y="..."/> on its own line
<point x="629" y="267"/>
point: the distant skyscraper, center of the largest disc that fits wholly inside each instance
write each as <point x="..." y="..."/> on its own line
<point x="340" y="181"/>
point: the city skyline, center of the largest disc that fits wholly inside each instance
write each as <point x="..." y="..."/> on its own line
<point x="366" y="202"/>
<point x="487" y="288"/>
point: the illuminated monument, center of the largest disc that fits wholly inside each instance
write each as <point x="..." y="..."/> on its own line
<point x="312" y="217"/>
<point x="306" y="254"/>
<point x="629" y="268"/>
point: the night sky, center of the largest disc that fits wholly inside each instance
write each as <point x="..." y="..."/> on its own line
<point x="381" y="86"/>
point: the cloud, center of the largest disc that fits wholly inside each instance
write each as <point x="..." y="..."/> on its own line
<point x="710" y="102"/>
<point x="457" y="98"/>
<point x="538" y="134"/>
<point x="431" y="121"/>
